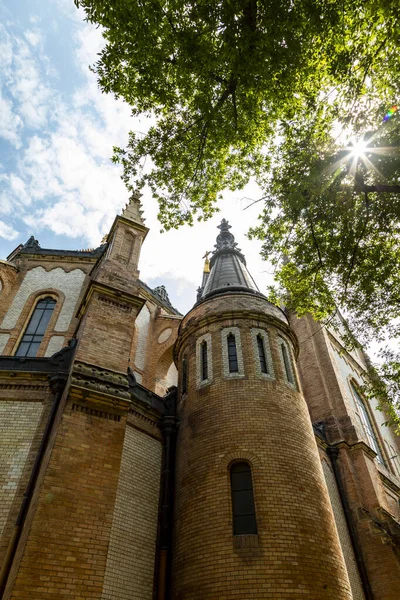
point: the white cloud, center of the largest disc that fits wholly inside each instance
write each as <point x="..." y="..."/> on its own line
<point x="10" y="123"/>
<point x="7" y="232"/>
<point x="34" y="37"/>
<point x="18" y="188"/>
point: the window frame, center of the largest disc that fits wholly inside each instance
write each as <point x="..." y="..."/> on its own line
<point x="233" y="363"/>
<point x="225" y="333"/>
<point x="27" y="322"/>
<point x="288" y="368"/>
<point x="199" y="381"/>
<point x="204" y="360"/>
<point x="241" y="492"/>
<point x="257" y="333"/>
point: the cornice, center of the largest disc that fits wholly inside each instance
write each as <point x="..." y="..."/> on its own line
<point x="123" y="300"/>
<point x="101" y="385"/>
<point x="107" y="390"/>
<point x="132" y="224"/>
<point x="356" y="446"/>
<point x="197" y="323"/>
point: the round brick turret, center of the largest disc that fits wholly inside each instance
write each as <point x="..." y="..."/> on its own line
<point x="255" y="415"/>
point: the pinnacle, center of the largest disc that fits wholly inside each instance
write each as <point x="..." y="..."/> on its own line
<point x="133" y="209"/>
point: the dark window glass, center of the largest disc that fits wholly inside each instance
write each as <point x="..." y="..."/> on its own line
<point x="367" y="425"/>
<point x="243" y="511"/>
<point x="232" y="354"/>
<point x="261" y="354"/>
<point x="204" y="361"/>
<point x="184" y="376"/>
<point x="286" y="362"/>
<point x="36" y="328"/>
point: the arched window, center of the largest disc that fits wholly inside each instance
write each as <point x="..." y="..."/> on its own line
<point x="366" y="423"/>
<point x="232" y="354"/>
<point x="287" y="362"/>
<point x="204" y="361"/>
<point x="33" y="335"/>
<point x="261" y="354"/>
<point x="243" y="510"/>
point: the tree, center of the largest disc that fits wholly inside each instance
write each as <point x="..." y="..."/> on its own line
<point x="241" y="89"/>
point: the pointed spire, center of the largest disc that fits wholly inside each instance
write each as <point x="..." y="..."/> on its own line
<point x="227" y="267"/>
<point x="133" y="210"/>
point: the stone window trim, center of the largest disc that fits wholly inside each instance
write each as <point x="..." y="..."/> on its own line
<point x="263" y="333"/>
<point x="370" y="429"/>
<point x="26" y="315"/>
<point x="225" y="332"/>
<point x="290" y="379"/>
<point x="206" y="337"/>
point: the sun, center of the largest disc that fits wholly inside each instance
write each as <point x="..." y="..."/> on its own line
<point x="358" y="148"/>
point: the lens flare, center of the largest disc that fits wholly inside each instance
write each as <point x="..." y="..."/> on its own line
<point x="390" y="113"/>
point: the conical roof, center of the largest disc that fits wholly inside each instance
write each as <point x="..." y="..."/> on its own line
<point x="228" y="271"/>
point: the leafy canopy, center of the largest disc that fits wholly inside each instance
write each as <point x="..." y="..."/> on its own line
<point x="270" y="90"/>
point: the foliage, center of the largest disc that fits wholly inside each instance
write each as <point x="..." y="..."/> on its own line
<point x="241" y="89"/>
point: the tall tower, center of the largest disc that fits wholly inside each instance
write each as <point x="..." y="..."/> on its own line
<point x="252" y="513"/>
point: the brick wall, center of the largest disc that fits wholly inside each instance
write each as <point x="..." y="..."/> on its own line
<point x="20" y="429"/>
<point x="131" y="555"/>
<point x="325" y="376"/>
<point x="296" y="552"/>
<point x="66" y="550"/>
<point x="344" y="536"/>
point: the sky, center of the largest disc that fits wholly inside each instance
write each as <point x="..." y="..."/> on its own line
<point x="57" y="131"/>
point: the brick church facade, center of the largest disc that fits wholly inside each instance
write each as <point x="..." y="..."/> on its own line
<point x="227" y="454"/>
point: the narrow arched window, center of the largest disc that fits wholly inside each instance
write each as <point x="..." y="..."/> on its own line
<point x="287" y="362"/>
<point x="232" y="354"/>
<point x="261" y="354"/>
<point x="366" y="423"/>
<point x="33" y="335"/>
<point x="243" y="510"/>
<point x="184" y="376"/>
<point x="204" y="361"/>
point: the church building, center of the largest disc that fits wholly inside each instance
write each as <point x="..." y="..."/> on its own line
<point x="228" y="454"/>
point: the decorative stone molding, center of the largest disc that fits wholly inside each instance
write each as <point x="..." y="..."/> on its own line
<point x="267" y="352"/>
<point x="96" y="413"/>
<point x="111" y="294"/>
<point x="192" y="324"/>
<point x="102" y="381"/>
<point x="114" y="304"/>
